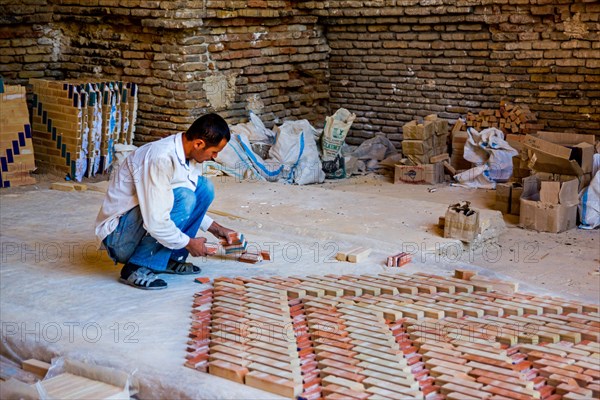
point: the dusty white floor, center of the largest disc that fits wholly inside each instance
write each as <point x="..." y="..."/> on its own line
<point x="60" y="296"/>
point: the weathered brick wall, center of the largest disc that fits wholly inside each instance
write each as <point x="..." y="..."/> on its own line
<point x="394" y="60"/>
<point x="29" y="46"/>
<point x="390" y="60"/>
<point x="189" y="57"/>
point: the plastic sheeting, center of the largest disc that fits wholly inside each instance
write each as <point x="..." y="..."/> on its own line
<point x="492" y="156"/>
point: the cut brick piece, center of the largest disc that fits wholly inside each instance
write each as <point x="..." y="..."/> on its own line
<point x="227" y="370"/>
<point x="465" y="391"/>
<point x="62" y="186"/>
<point x="358" y="254"/>
<point x="348" y="393"/>
<point x="273" y="384"/>
<point x="333" y="380"/>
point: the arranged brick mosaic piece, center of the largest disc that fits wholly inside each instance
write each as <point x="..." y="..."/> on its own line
<point x="390" y="336"/>
<point x="76" y="124"/>
<point x="16" y="148"/>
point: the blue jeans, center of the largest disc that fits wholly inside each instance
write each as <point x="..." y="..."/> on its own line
<point x="130" y="242"/>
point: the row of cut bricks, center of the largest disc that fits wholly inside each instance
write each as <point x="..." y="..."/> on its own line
<point x="395" y="336"/>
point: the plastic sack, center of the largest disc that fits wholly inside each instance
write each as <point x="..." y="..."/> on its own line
<point x="334" y="133"/>
<point x="477" y="177"/>
<point x="492" y="156"/>
<point x="589" y="201"/>
<point x="367" y="156"/>
<point x="296" y="150"/>
<point x="260" y="133"/>
<point x="235" y="160"/>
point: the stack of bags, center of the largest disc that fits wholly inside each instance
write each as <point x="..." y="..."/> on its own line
<point x="76" y="124"/>
<point x="16" y="149"/>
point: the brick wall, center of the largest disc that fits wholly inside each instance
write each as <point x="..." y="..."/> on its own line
<point x="393" y="60"/>
<point x="29" y="44"/>
<point x="189" y="57"/>
<point x="386" y="60"/>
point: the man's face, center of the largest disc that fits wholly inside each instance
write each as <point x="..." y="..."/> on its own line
<point x="202" y="153"/>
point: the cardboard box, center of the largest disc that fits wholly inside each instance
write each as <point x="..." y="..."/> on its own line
<point x="461" y="222"/>
<point x="414" y="131"/>
<point x="548" y="217"/>
<point x="427" y="173"/>
<point x="415" y="147"/>
<point x="508" y="198"/>
<point x="458" y="147"/>
<point x="515" y="199"/>
<point x="503" y="197"/>
<point x="549" y="192"/>
<point x="419" y="159"/>
<point x="547" y="156"/>
<point x="584" y="180"/>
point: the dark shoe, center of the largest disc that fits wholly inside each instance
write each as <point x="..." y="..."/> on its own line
<point x="181" y="268"/>
<point x="141" y="278"/>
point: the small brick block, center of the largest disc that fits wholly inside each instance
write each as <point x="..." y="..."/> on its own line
<point x="358" y="254"/>
<point x="202" y="279"/>
<point x="63" y="187"/>
<point x="464" y="274"/>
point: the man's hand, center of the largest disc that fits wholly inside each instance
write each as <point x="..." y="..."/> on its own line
<point x="220" y="231"/>
<point x="196" y="247"/>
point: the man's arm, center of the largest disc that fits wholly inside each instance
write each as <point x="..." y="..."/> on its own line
<point x="220" y="231"/>
<point x="156" y="199"/>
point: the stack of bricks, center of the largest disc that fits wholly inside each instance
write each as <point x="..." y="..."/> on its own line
<point x="16" y="148"/>
<point x="76" y="125"/>
<point x="397" y="336"/>
<point x="509" y="118"/>
<point x="424" y="141"/>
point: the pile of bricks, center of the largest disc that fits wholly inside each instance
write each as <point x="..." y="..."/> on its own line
<point x="76" y="125"/>
<point x="509" y="118"/>
<point x="16" y="148"/>
<point x="424" y="141"/>
<point x="395" y="335"/>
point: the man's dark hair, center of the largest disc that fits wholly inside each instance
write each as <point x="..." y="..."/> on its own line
<point x="211" y="128"/>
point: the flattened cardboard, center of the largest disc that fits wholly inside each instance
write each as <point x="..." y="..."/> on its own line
<point x="549" y="192"/>
<point x="547" y="156"/>
<point x="566" y="139"/>
<point x="569" y="195"/>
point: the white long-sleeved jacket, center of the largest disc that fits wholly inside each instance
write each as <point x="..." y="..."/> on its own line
<point x="147" y="178"/>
